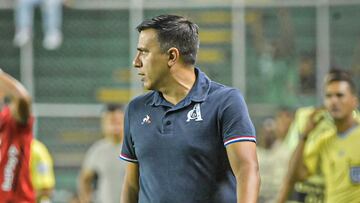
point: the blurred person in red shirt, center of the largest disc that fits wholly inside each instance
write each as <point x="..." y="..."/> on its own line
<point x="15" y="138"/>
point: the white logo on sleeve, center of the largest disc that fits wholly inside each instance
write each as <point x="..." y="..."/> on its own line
<point x="194" y="114"/>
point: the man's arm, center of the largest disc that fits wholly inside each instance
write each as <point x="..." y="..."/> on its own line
<point x="85" y="185"/>
<point x="44" y="195"/>
<point x="21" y="100"/>
<point x="297" y="169"/>
<point x="130" y="190"/>
<point x="244" y="163"/>
<point x="42" y="172"/>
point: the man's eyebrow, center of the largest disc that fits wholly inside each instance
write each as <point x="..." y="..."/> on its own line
<point x="141" y="49"/>
<point x="328" y="94"/>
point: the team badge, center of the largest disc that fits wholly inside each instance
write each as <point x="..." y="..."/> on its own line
<point x="194" y="114"/>
<point x="355" y="174"/>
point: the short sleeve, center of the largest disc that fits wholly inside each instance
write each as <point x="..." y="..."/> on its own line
<point x="41" y="166"/>
<point x="235" y="121"/>
<point x="128" y="149"/>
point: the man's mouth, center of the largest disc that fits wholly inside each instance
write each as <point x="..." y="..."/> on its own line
<point x="142" y="76"/>
<point x="335" y="110"/>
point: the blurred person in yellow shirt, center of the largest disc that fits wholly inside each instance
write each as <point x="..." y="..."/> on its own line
<point x="311" y="189"/>
<point x="330" y="148"/>
<point x="42" y="171"/>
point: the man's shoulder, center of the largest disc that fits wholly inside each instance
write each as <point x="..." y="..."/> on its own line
<point x="98" y="145"/>
<point x="356" y="131"/>
<point x="223" y="91"/>
<point x="38" y="147"/>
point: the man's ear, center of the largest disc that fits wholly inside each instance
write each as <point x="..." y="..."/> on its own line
<point x="174" y="56"/>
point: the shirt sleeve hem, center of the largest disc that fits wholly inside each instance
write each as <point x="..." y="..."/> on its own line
<point x="126" y="158"/>
<point x="240" y="139"/>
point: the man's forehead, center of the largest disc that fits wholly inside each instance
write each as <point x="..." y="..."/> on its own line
<point x="338" y="86"/>
<point x="148" y="35"/>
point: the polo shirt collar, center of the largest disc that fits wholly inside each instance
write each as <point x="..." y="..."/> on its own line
<point x="198" y="92"/>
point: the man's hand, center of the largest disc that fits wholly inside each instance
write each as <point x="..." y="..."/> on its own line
<point x="314" y="119"/>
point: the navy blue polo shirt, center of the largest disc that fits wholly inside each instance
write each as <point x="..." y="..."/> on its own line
<point x="180" y="148"/>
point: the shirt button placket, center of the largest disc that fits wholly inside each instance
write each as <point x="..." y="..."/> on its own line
<point x="167" y="124"/>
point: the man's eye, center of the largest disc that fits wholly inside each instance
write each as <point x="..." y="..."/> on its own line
<point x="339" y="95"/>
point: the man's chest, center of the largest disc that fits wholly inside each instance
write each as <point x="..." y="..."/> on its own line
<point x="342" y="157"/>
<point x="193" y="128"/>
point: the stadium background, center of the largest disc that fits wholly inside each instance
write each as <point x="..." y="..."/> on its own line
<point x="259" y="46"/>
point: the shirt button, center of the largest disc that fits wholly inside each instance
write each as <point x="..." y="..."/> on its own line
<point x="168" y="122"/>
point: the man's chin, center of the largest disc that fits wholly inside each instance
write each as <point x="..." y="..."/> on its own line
<point x="337" y="116"/>
<point x="147" y="87"/>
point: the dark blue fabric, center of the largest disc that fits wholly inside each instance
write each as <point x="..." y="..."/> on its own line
<point x="180" y="149"/>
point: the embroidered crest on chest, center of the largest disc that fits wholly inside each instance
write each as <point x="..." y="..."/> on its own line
<point x="194" y="114"/>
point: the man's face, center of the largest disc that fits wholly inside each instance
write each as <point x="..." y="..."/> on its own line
<point x="150" y="61"/>
<point x="283" y="121"/>
<point x="339" y="100"/>
<point x="112" y="124"/>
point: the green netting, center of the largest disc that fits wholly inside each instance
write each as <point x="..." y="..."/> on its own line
<point x="95" y="47"/>
<point x="9" y="55"/>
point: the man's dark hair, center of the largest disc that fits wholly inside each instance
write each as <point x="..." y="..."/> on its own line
<point x="111" y="107"/>
<point x="337" y="75"/>
<point x="175" y="31"/>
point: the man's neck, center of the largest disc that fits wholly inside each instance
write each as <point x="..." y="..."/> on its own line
<point x="345" y="124"/>
<point x="183" y="80"/>
<point x="113" y="139"/>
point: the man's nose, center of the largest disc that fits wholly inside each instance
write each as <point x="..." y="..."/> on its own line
<point x="334" y="100"/>
<point x="137" y="62"/>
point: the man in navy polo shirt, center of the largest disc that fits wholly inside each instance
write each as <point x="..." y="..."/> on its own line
<point x="189" y="139"/>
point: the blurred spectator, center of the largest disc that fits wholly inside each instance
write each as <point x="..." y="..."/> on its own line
<point x="355" y="66"/>
<point x="102" y="171"/>
<point x="16" y="123"/>
<point x="52" y="19"/>
<point x="280" y="47"/>
<point x="307" y="73"/>
<point x="274" y="151"/>
<point x="283" y="120"/>
<point x="74" y="198"/>
<point x="275" y="56"/>
<point x="334" y="153"/>
<point x="42" y="172"/>
<point x="267" y="135"/>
